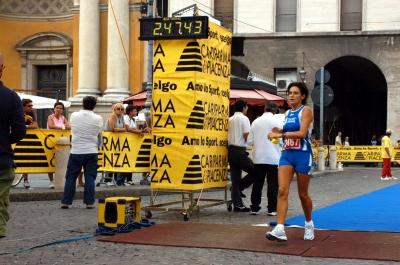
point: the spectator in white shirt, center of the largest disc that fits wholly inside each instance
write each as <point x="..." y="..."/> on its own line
<point x="85" y="129"/>
<point x="266" y="159"/>
<point x="338" y="140"/>
<point x="130" y="126"/>
<point x="239" y="128"/>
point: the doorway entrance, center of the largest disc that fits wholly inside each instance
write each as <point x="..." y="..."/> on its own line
<point x="359" y="106"/>
<point x="51" y="83"/>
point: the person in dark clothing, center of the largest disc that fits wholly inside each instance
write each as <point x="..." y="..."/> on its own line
<point x="12" y="129"/>
<point x="31" y="123"/>
<point x="239" y="128"/>
<point x="374" y="142"/>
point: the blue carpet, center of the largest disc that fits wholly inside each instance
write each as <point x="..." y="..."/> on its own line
<point x="376" y="211"/>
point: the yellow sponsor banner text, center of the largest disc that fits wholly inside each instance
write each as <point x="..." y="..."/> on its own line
<point x="121" y="152"/>
<point x="201" y="161"/>
<point x="358" y="153"/>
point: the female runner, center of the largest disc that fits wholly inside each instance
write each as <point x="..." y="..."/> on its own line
<point x="296" y="157"/>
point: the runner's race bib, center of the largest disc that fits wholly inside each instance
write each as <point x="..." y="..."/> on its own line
<point x="292" y="143"/>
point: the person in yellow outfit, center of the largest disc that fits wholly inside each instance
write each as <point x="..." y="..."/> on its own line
<point x="387" y="156"/>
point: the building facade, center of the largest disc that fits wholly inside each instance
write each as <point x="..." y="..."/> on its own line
<point x="356" y="41"/>
<point x="73" y="48"/>
<point x="91" y="47"/>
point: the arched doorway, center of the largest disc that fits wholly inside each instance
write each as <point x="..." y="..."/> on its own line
<point x="46" y="67"/>
<point x="359" y="106"/>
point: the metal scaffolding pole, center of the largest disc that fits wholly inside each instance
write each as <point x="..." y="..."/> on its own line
<point x="149" y="82"/>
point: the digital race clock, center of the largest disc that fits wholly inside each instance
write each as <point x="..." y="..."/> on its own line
<point x="173" y="28"/>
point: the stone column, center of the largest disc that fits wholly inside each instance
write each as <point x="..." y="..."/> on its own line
<point x="62" y="155"/>
<point x="332" y="158"/>
<point x="321" y="159"/>
<point x="117" y="64"/>
<point x="89" y="49"/>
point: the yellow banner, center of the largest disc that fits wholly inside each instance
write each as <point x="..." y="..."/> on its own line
<point x="358" y="153"/>
<point x="190" y="111"/>
<point x="186" y="108"/>
<point x="192" y="82"/>
<point x="122" y="152"/>
<point x="189" y="160"/>
<point x="125" y="152"/>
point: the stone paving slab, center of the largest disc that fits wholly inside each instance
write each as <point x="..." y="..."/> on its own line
<point x="40" y="190"/>
<point x="37" y="222"/>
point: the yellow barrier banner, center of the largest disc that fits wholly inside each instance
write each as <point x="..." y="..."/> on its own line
<point x="357" y="153"/>
<point x="121" y="152"/>
<point x="189" y="160"/>
<point x="35" y="153"/>
<point x="125" y="152"/>
<point x="363" y="154"/>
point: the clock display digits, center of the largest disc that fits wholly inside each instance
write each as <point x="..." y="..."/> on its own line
<point x="157" y="29"/>
<point x="173" y="28"/>
<point x="168" y="26"/>
<point x="198" y="27"/>
<point x="188" y="26"/>
<point x="178" y="25"/>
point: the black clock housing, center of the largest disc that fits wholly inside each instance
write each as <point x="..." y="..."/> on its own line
<point x="173" y="28"/>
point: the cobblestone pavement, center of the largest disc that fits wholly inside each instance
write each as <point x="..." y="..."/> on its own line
<point x="36" y="222"/>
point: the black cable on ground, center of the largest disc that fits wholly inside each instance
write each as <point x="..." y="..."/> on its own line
<point x="101" y="230"/>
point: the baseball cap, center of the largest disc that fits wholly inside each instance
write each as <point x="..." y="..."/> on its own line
<point x="389" y="131"/>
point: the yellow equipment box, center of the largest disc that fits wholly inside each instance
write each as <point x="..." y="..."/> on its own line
<point x="118" y="211"/>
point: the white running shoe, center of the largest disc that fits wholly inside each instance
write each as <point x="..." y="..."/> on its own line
<point x="278" y="234"/>
<point x="309" y="232"/>
<point x="51" y="186"/>
<point x="388" y="178"/>
<point x="393" y="178"/>
<point x="26" y="184"/>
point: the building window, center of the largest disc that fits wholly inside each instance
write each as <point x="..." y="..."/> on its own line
<point x="223" y="11"/>
<point x="350" y="15"/>
<point x="286" y="15"/>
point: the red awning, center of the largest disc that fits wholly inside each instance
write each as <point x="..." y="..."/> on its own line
<point x="253" y="97"/>
<point x="138" y="99"/>
<point x="275" y="98"/>
<point x="250" y="96"/>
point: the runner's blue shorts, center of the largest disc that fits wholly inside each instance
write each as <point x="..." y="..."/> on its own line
<point x="301" y="161"/>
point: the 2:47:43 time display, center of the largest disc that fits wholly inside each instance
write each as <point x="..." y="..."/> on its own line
<point x="177" y="27"/>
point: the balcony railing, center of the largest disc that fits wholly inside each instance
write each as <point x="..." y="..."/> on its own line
<point x="286" y="23"/>
<point x="351" y="21"/>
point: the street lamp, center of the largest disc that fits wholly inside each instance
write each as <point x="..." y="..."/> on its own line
<point x="303" y="72"/>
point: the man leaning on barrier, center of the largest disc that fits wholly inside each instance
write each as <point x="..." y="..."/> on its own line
<point x="125" y="178"/>
<point x="12" y="129"/>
